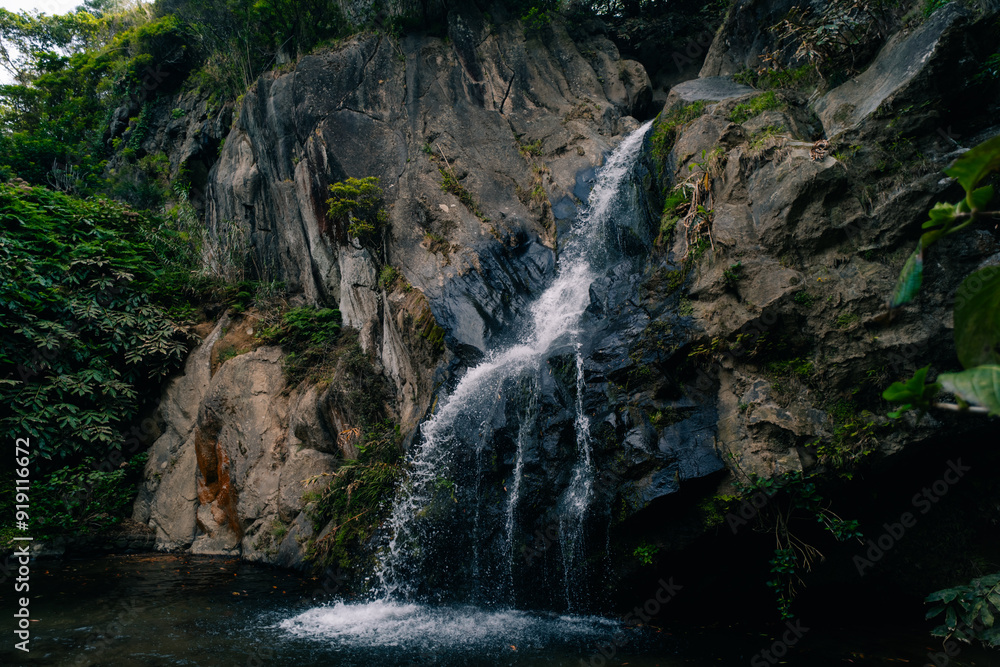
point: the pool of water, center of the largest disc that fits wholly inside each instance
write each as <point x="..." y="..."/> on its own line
<point x="156" y="609"/>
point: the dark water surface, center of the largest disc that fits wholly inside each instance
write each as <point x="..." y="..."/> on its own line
<point x="154" y="610"/>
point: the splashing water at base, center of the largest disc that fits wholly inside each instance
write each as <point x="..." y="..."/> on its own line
<point x="385" y="623"/>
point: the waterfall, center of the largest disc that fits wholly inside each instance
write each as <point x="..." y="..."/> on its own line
<point x="528" y="417"/>
<point x="451" y="504"/>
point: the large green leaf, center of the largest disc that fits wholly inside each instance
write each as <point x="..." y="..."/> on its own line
<point x="977" y="318"/>
<point x="980" y="385"/>
<point x="976" y="163"/>
<point x="980" y="198"/>
<point x="910" y="279"/>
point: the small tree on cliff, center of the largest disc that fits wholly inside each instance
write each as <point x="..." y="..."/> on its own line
<point x="358" y="205"/>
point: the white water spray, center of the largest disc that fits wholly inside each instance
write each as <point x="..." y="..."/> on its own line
<point x="555" y="322"/>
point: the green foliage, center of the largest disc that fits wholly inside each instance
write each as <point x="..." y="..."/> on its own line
<point x="646" y="552"/>
<point x="533" y="149"/>
<point x="945" y="219"/>
<point x="85" y="333"/>
<point x="733" y="275"/>
<point x="309" y="337"/>
<point x="452" y="185"/>
<point x="83" y="498"/>
<point x="675" y="205"/>
<point x="667" y="127"/>
<point x="845" y="320"/>
<point x="800" y="368"/>
<point x="971" y="168"/>
<point x="784" y="565"/>
<point x="75" y="69"/>
<point x="758" y="140"/>
<point x="312" y="326"/>
<point x="794" y="501"/>
<point x="278" y="529"/>
<point x="854" y="438"/>
<point x="227" y="353"/>
<point x="977" y="318"/>
<point x="755" y="106"/>
<point x="353" y="503"/>
<point x="69" y="79"/>
<point x="141" y="128"/>
<point x="771" y="78"/>
<point x="977" y="302"/>
<point x="387" y="277"/>
<point x="979" y="385"/>
<point x="49" y="124"/>
<point x="535" y="14"/>
<point x="910" y="280"/>
<point x="931" y="6"/>
<point x="238" y="40"/>
<point x="969" y="610"/>
<point x="428" y="328"/>
<point x="665" y="281"/>
<point x="27" y="35"/>
<point x="359" y="206"/>
<point x="804" y="298"/>
<point x="664" y="417"/>
<point x="912" y="393"/>
<point x="990" y="69"/>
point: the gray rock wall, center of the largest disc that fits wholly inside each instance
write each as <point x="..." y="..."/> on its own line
<point x="238" y="443"/>
<point x="375" y="107"/>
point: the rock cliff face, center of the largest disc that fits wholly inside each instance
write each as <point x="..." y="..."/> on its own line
<point x="519" y="122"/>
<point x="815" y="204"/>
<point x="759" y="332"/>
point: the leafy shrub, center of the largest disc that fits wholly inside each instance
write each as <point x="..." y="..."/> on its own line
<point x="793" y="504"/>
<point x="315" y="326"/>
<point x="646" y="552"/>
<point x="969" y="610"/>
<point x="85" y="334"/>
<point x="532" y="149"/>
<point x="238" y="41"/>
<point x="358" y="206"/>
<point x="387" y="277"/>
<point x="309" y="336"/>
<point x="84" y="498"/>
<point x="355" y="499"/>
<point x="804" y="298"/>
<point x="141" y="128"/>
<point x="535" y="14"/>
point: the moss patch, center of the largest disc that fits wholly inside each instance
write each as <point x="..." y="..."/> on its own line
<point x="667" y="127"/>
<point x="755" y="106"/>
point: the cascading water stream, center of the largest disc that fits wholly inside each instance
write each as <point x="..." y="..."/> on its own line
<point x="428" y="524"/>
<point x="528" y="417"/>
